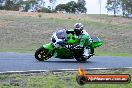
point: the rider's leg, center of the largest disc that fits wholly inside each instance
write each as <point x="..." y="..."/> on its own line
<point x="86" y="52"/>
<point x="86" y="42"/>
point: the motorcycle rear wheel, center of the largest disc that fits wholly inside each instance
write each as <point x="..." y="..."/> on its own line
<point x="82" y="59"/>
<point x="41" y="54"/>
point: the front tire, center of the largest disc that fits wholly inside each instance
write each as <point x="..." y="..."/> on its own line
<point x="42" y="54"/>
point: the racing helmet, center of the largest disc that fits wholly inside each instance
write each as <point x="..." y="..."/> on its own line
<point x="78" y="28"/>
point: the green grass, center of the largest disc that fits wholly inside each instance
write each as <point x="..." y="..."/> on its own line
<point x="25" y="32"/>
<point x="106" y="53"/>
<point x="57" y="80"/>
<point x="114" y="54"/>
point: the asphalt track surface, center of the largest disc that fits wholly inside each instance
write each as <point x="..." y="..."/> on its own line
<point x="25" y="62"/>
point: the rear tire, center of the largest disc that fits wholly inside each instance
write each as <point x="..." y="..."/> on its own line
<point x="41" y="54"/>
<point x="82" y="59"/>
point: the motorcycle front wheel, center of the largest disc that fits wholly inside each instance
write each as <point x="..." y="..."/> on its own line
<point x="42" y="54"/>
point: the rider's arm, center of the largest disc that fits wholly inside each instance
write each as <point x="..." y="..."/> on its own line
<point x="71" y="31"/>
<point x="85" y="39"/>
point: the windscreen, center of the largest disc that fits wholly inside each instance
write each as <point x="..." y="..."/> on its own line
<point x="61" y="34"/>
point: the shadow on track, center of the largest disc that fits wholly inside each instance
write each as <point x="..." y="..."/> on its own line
<point x="87" y="62"/>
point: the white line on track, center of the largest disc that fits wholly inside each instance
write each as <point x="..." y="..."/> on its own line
<point x="59" y="70"/>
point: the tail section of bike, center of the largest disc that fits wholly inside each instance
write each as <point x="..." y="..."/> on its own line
<point x="96" y="42"/>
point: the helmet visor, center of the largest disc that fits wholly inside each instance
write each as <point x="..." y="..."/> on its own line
<point x="77" y="32"/>
<point x="61" y="34"/>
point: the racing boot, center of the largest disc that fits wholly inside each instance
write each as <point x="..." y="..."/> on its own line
<point x="85" y="53"/>
<point x="92" y="52"/>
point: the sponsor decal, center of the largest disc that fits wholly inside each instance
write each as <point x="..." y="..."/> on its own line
<point x="83" y="78"/>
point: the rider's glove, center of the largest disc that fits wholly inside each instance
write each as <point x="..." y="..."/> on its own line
<point x="61" y="43"/>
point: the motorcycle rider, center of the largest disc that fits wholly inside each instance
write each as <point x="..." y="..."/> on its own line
<point x="85" y="40"/>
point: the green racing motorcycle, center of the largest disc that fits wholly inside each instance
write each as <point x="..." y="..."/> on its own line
<point x="62" y="47"/>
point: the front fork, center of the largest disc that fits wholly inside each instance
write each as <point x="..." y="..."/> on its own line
<point x="50" y="48"/>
